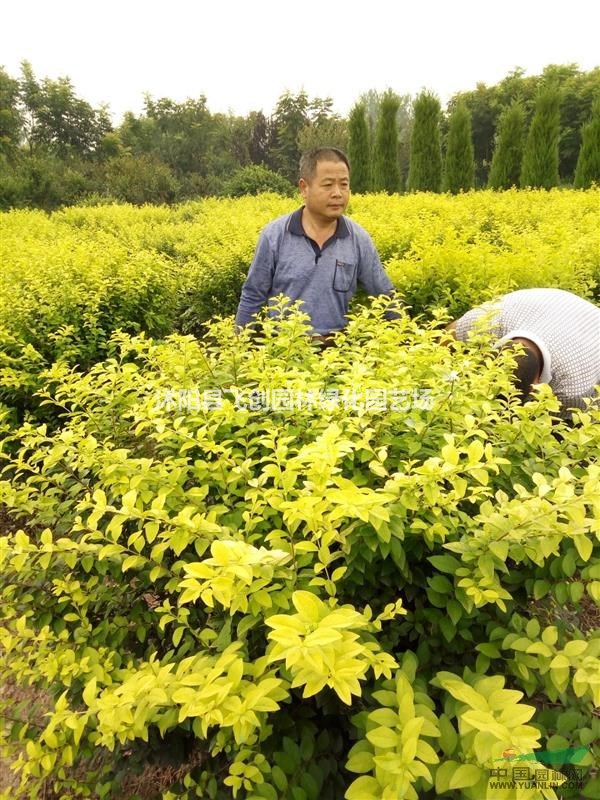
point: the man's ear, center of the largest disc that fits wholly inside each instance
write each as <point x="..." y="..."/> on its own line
<point x="303" y="186"/>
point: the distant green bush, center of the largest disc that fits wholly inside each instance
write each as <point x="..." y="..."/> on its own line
<point x="256" y="179"/>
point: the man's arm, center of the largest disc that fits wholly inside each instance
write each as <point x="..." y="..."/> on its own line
<point x="528" y="363"/>
<point x="374" y="279"/>
<point x="257" y="287"/>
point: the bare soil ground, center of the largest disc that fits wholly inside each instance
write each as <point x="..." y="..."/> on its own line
<point x="18" y="700"/>
<point x="146" y="784"/>
<point x="31" y="704"/>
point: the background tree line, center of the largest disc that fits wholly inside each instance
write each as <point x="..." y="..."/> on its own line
<point x="56" y="149"/>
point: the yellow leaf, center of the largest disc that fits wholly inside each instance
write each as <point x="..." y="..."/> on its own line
<point x="383" y="737"/>
<point x="89" y="693"/>
<point x="308" y="605"/>
<point x="466" y="775"/>
<point x="322" y="637"/>
<point x="584" y="546"/>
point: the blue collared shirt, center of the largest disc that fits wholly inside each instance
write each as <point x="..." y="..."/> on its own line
<point x="289" y="262"/>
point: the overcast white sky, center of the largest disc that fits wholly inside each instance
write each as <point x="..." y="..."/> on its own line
<point x="243" y="55"/>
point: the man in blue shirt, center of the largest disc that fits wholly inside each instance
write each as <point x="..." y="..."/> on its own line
<point x="316" y="254"/>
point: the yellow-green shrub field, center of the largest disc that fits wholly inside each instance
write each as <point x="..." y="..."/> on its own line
<point x="308" y="601"/>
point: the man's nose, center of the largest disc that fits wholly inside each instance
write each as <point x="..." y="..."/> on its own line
<point x="337" y="190"/>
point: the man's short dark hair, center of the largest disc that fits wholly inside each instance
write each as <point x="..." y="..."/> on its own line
<point x="527" y="370"/>
<point x="309" y="160"/>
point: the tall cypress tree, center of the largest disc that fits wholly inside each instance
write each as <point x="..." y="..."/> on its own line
<point x="459" y="168"/>
<point x="425" y="170"/>
<point x="540" y="159"/>
<point x="588" y="162"/>
<point x="508" y="153"/>
<point x="359" y="153"/>
<point x="386" y="169"/>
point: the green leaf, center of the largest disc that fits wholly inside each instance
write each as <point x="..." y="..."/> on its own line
<point x="360" y="762"/>
<point x="569" y="564"/>
<point x="561" y="592"/>
<point x="540" y="589"/>
<point x="266" y="791"/>
<point x="292" y="749"/>
<point x="576" y="590"/>
<point x="447" y="629"/>
<point x="245" y="624"/>
<point x="440" y="584"/>
<point x="363" y="788"/>
<point x="87" y="562"/>
<point x="279" y="778"/>
<point x="489" y="650"/>
<point x="448" y="735"/>
<point x="310" y="786"/>
<point x="445" y="563"/>
<point x="443" y="775"/>
<point x="455" y="610"/>
<point x="287" y="762"/>
<point x="465" y="776"/>
<point x="307" y="747"/>
<point x="592" y="789"/>
<point x="586" y="736"/>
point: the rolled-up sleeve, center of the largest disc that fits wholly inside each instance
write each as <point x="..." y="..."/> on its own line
<point x="257" y="287"/>
<point x="374" y="279"/>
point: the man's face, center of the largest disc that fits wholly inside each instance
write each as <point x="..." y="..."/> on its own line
<point x="327" y="193"/>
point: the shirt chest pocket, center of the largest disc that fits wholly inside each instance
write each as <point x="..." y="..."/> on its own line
<point x="343" y="276"/>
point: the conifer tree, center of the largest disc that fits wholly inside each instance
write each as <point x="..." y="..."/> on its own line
<point x="425" y="170"/>
<point x="508" y="152"/>
<point x="386" y="169"/>
<point x="540" y="159"/>
<point x="459" y="168"/>
<point x="588" y="162"/>
<point x="359" y="152"/>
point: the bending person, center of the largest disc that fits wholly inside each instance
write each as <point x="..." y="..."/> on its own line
<point x="561" y="336"/>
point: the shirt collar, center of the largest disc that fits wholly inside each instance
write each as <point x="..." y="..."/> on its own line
<point x="295" y="225"/>
<point x="523" y="333"/>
